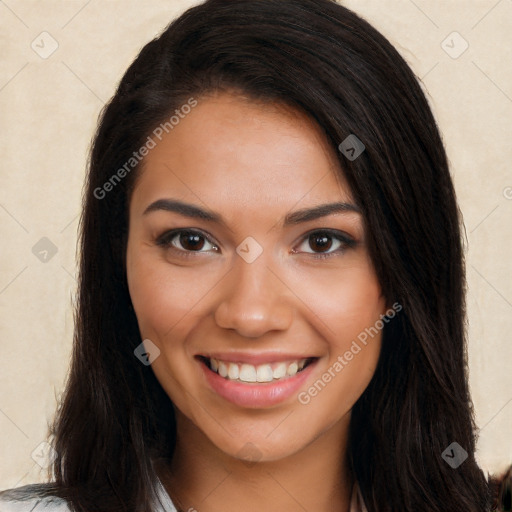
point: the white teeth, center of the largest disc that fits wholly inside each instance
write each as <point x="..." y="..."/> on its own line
<point x="223" y="369"/>
<point x="248" y="373"/>
<point x="233" y="372"/>
<point x="292" y="369"/>
<point x="261" y="373"/>
<point x="279" y="371"/>
<point x="264" y="373"/>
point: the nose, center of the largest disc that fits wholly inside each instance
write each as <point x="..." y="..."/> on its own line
<point x="254" y="300"/>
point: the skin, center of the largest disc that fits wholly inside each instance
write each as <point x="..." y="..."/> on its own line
<point x="252" y="164"/>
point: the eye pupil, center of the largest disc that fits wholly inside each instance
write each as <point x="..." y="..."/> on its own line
<point x="320" y="242"/>
<point x="191" y="241"/>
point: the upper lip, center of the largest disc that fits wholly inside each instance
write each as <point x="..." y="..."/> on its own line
<point x="255" y="359"/>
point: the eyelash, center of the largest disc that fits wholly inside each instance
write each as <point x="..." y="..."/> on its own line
<point x="165" y="241"/>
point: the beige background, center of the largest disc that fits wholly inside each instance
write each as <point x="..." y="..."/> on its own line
<point x="49" y="110"/>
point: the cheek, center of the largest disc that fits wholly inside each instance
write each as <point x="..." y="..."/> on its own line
<point x="354" y="309"/>
<point x="349" y="310"/>
<point x="151" y="293"/>
<point x="164" y="300"/>
<point x="345" y="301"/>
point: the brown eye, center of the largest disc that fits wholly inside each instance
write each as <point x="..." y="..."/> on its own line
<point x="320" y="242"/>
<point x="186" y="241"/>
<point x="325" y="242"/>
<point x="191" y="241"/>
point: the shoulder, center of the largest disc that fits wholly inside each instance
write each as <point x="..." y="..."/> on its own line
<point x="31" y="498"/>
<point x="39" y="498"/>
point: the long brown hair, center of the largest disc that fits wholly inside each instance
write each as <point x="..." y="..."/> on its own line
<point x="327" y="62"/>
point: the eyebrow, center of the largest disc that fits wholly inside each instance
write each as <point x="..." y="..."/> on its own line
<point x="293" y="218"/>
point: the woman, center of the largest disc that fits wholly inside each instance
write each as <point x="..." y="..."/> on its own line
<point x="271" y="299"/>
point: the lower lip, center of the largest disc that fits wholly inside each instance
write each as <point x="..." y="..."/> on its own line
<point x="257" y="395"/>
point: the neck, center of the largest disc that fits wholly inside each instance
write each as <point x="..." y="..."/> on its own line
<point x="201" y="477"/>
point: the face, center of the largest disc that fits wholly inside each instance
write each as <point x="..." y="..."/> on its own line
<point x="248" y="270"/>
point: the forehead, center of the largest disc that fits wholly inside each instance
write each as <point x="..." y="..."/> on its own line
<point x="229" y="151"/>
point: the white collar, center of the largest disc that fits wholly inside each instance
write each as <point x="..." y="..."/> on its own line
<point x="165" y="503"/>
<point x="357" y="503"/>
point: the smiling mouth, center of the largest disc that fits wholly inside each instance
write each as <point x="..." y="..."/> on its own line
<point x="262" y="373"/>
